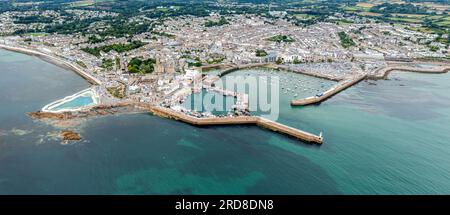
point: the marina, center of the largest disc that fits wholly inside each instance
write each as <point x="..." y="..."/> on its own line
<point x="380" y="136"/>
<point x="88" y="98"/>
<point x="347" y="123"/>
<point x="214" y="97"/>
<point x="342" y="85"/>
<point x="195" y="102"/>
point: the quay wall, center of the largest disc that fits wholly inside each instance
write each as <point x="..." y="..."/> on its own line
<point x="242" y="66"/>
<point x="214" y="66"/>
<point x="276" y="66"/>
<point x="264" y="123"/>
<point x="384" y="73"/>
<point x="342" y="85"/>
<point x="55" y="60"/>
<point x="290" y="69"/>
<point x="284" y="129"/>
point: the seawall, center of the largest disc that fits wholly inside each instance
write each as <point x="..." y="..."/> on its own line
<point x="384" y="72"/>
<point x="216" y="66"/>
<point x="259" y="121"/>
<point x="241" y="66"/>
<point x="342" y="85"/>
<point x="299" y="71"/>
<point x="275" y="66"/>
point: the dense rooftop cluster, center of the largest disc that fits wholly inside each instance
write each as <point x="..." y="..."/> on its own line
<point x="153" y="51"/>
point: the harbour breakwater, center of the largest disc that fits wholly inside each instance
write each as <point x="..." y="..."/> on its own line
<point x="54" y="60"/>
<point x="216" y="66"/>
<point x="384" y="72"/>
<point x="241" y="66"/>
<point x="255" y="120"/>
<point x="342" y="85"/>
<point x="300" y="71"/>
<point x="277" y="67"/>
<point x="380" y="74"/>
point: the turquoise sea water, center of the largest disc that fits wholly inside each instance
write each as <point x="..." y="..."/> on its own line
<point x="383" y="137"/>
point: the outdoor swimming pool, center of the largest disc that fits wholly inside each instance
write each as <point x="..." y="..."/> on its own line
<point x="72" y="103"/>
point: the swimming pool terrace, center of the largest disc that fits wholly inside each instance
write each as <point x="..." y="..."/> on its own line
<point x="78" y="101"/>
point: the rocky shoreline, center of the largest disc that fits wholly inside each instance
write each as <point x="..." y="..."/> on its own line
<point x="98" y="110"/>
<point x="67" y="135"/>
<point x="68" y="122"/>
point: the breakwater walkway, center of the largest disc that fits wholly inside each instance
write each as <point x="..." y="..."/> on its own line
<point x="300" y="71"/>
<point x="381" y="73"/>
<point x="216" y="66"/>
<point x="278" y="67"/>
<point x="54" y="60"/>
<point x="384" y="72"/>
<point x="341" y="85"/>
<point x="241" y="66"/>
<point x="256" y="120"/>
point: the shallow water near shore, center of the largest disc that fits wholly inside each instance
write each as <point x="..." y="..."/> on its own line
<point x="381" y="137"/>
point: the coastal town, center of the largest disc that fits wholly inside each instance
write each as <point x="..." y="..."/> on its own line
<point x="224" y="97"/>
<point x="184" y="55"/>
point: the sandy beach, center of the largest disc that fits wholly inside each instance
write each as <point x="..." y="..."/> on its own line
<point x="55" y="60"/>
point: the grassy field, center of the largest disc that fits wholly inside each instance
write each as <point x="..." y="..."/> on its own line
<point x="86" y="3"/>
<point x="407" y="20"/>
<point x="303" y="16"/>
<point x="365" y="5"/>
<point x="360" y="7"/>
<point x="37" y="34"/>
<point x="356" y="8"/>
<point x="444" y="24"/>
<point x="434" y="6"/>
<point x="369" y="14"/>
<point x="415" y="16"/>
<point x="441" y="19"/>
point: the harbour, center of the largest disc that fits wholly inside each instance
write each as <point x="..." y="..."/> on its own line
<point x="242" y="100"/>
<point x="342" y="85"/>
<point x="369" y="125"/>
<point x="222" y="97"/>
